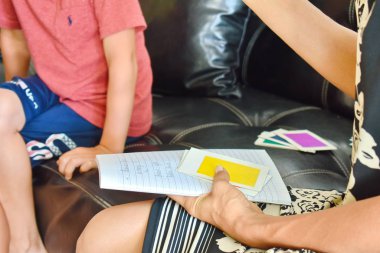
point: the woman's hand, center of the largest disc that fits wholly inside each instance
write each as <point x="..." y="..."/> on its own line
<point x="82" y="158"/>
<point x="224" y="207"/>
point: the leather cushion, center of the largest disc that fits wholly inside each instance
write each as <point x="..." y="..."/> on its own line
<point x="195" y="45"/>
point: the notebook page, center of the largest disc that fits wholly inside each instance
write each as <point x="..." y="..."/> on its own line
<point x="155" y="172"/>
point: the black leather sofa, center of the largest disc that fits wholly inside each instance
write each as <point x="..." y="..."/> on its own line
<point x="221" y="78"/>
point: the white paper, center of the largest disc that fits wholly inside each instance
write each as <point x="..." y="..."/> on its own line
<point x="156" y="172"/>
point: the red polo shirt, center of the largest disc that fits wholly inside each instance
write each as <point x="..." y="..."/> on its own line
<point x="65" y="41"/>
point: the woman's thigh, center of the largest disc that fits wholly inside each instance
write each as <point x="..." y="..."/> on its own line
<point x="116" y="229"/>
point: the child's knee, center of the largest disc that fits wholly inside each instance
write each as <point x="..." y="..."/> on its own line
<point x="11" y="112"/>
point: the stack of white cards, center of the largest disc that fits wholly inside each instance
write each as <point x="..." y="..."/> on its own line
<point x="248" y="176"/>
<point x="302" y="140"/>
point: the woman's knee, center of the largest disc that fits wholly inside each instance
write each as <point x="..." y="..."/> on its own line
<point x="120" y="228"/>
<point x="12" y="117"/>
<point x="90" y="236"/>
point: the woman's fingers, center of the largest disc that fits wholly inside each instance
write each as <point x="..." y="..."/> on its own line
<point x="221" y="175"/>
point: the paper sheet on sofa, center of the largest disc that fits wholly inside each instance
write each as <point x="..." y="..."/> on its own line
<point x="156" y="172"/>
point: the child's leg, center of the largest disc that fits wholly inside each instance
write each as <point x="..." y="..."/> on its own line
<point x="117" y="229"/>
<point x="51" y="129"/>
<point x="49" y="136"/>
<point x="4" y="235"/>
<point x="15" y="177"/>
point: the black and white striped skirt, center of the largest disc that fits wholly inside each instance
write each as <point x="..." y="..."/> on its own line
<point x="172" y="230"/>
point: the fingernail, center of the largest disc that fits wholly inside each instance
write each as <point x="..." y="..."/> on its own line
<point x="219" y="169"/>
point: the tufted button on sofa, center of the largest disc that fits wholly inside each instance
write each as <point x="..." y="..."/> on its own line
<point x="221" y="77"/>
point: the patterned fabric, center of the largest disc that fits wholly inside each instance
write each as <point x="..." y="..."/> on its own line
<point x="172" y="229"/>
<point x="365" y="175"/>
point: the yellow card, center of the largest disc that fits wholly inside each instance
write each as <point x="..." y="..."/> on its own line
<point x="240" y="174"/>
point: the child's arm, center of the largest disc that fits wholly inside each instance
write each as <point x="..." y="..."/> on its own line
<point x="120" y="53"/>
<point x="15" y="53"/>
<point x="327" y="46"/>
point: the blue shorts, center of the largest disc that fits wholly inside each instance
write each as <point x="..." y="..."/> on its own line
<point x="51" y="127"/>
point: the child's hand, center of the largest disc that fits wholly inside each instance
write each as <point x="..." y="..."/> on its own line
<point x="84" y="158"/>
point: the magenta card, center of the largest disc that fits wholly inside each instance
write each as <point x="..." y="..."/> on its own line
<point x="305" y="140"/>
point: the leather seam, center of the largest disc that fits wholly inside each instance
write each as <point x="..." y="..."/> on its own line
<point x="242" y="116"/>
<point x="134" y="145"/>
<point x="239" y="50"/>
<point x="189" y="145"/>
<point x="340" y="164"/>
<point x="154" y="138"/>
<point x="200" y="127"/>
<point x="310" y="171"/>
<point x="288" y="112"/>
<point x="155" y="95"/>
<point x="249" y="48"/>
<point x="100" y="201"/>
<point x="173" y="115"/>
<point x="352" y="15"/>
<point x="325" y="89"/>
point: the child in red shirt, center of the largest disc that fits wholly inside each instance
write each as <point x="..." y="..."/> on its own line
<point x="92" y="90"/>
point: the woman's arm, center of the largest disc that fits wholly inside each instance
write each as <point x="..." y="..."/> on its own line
<point x="15" y="53"/>
<point x="327" y="46"/>
<point x="120" y="54"/>
<point x="351" y="228"/>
